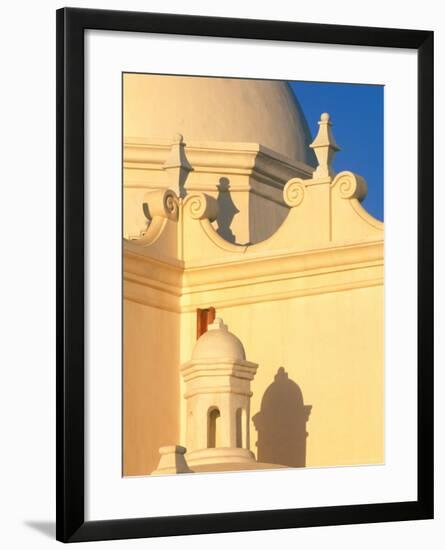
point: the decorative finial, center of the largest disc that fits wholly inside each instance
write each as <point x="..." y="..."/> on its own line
<point x="218" y="324"/>
<point x="325" y="147"/>
<point x="177" y="166"/>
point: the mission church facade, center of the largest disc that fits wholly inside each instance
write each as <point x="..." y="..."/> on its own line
<point x="253" y="284"/>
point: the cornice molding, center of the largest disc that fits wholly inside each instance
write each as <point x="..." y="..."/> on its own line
<point x="252" y="280"/>
<point x="231" y="158"/>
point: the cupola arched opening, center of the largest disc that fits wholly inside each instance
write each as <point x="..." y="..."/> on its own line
<point x="213" y="427"/>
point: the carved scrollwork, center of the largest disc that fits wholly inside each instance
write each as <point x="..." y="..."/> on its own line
<point x="350" y="186"/>
<point x="201" y="206"/>
<point x="162" y="203"/>
<point x="293" y="192"/>
<point x="171" y="203"/>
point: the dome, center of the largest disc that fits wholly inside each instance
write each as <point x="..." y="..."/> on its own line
<point x="218" y="343"/>
<point x="158" y="107"/>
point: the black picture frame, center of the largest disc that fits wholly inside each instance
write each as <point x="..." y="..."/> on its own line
<point x="71" y="24"/>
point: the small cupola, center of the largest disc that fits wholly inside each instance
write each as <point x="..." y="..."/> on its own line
<point x="217" y="391"/>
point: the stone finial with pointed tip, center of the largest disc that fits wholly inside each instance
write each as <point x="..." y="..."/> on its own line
<point x="177" y="165"/>
<point x="324" y="147"/>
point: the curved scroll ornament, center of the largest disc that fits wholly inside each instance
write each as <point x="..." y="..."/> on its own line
<point x="293" y="192"/>
<point x="350" y="186"/>
<point x="162" y="203"/>
<point x="201" y="206"/>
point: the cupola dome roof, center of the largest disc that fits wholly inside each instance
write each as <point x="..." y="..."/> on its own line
<point x="218" y="343"/>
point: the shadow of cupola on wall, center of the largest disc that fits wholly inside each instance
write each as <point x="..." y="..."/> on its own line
<point x="281" y="423"/>
<point x="226" y="211"/>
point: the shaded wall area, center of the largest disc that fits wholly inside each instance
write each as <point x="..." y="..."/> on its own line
<point x="332" y="346"/>
<point x="281" y="423"/>
<point x="150" y="385"/>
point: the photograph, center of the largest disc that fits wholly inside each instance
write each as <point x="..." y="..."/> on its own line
<point x="222" y="281"/>
<point x="253" y="274"/>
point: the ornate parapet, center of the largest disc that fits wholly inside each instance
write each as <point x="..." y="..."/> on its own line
<point x="248" y="178"/>
<point x="327" y="242"/>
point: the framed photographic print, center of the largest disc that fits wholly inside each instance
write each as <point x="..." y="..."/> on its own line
<point x="245" y="264"/>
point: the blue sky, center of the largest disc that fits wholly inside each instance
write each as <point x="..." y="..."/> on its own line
<point x="357" y="115"/>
